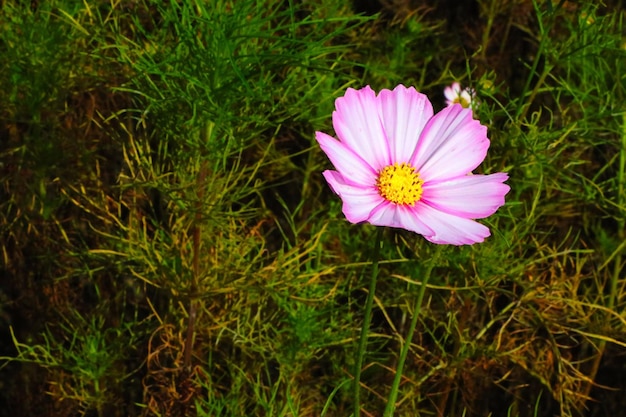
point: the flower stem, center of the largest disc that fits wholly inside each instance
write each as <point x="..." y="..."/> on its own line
<point x="193" y="288"/>
<point x="617" y="265"/>
<point x="393" y="395"/>
<point x="366" y="325"/>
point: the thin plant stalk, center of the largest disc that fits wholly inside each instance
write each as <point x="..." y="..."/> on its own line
<point x="617" y="264"/>
<point x="366" y="325"/>
<point x="393" y="394"/>
<point x="544" y="31"/>
<point x="621" y="223"/>
<point x="196" y="270"/>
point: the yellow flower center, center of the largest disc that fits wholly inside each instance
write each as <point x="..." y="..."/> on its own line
<point x="462" y="101"/>
<point x="400" y="184"/>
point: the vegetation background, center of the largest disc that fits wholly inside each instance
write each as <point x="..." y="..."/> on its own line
<point x="169" y="246"/>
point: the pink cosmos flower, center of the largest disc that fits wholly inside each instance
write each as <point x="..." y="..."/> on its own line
<point x="466" y="97"/>
<point x="398" y="165"/>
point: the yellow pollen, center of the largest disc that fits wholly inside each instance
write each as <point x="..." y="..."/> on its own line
<point x="400" y="184"/>
<point x="462" y="101"/>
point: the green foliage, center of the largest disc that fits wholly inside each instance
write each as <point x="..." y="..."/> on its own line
<point x="169" y="246"/>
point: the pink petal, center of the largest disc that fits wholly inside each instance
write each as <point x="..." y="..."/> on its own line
<point x="404" y="217"/>
<point x="358" y="125"/>
<point x="350" y="165"/>
<point x="450" y="229"/>
<point x="358" y="201"/>
<point x="470" y="196"/>
<point x="451" y="145"/>
<point x="404" y="112"/>
<point x="452" y="93"/>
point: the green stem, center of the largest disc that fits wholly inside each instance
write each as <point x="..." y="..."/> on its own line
<point x="393" y="395"/>
<point x="617" y="265"/>
<point x="366" y="325"/>
<point x="544" y="31"/>
<point x="193" y="288"/>
<point x="621" y="200"/>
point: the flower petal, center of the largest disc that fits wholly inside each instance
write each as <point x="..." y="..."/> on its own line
<point x="404" y="112"/>
<point x="358" y="201"/>
<point x="451" y="145"/>
<point x="350" y="165"/>
<point x="452" y="93"/>
<point x="400" y="216"/>
<point x="470" y="196"/>
<point x="466" y="96"/>
<point x="450" y="229"/>
<point x="358" y="126"/>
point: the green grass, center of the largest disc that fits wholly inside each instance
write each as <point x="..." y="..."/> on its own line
<point x="169" y="246"/>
